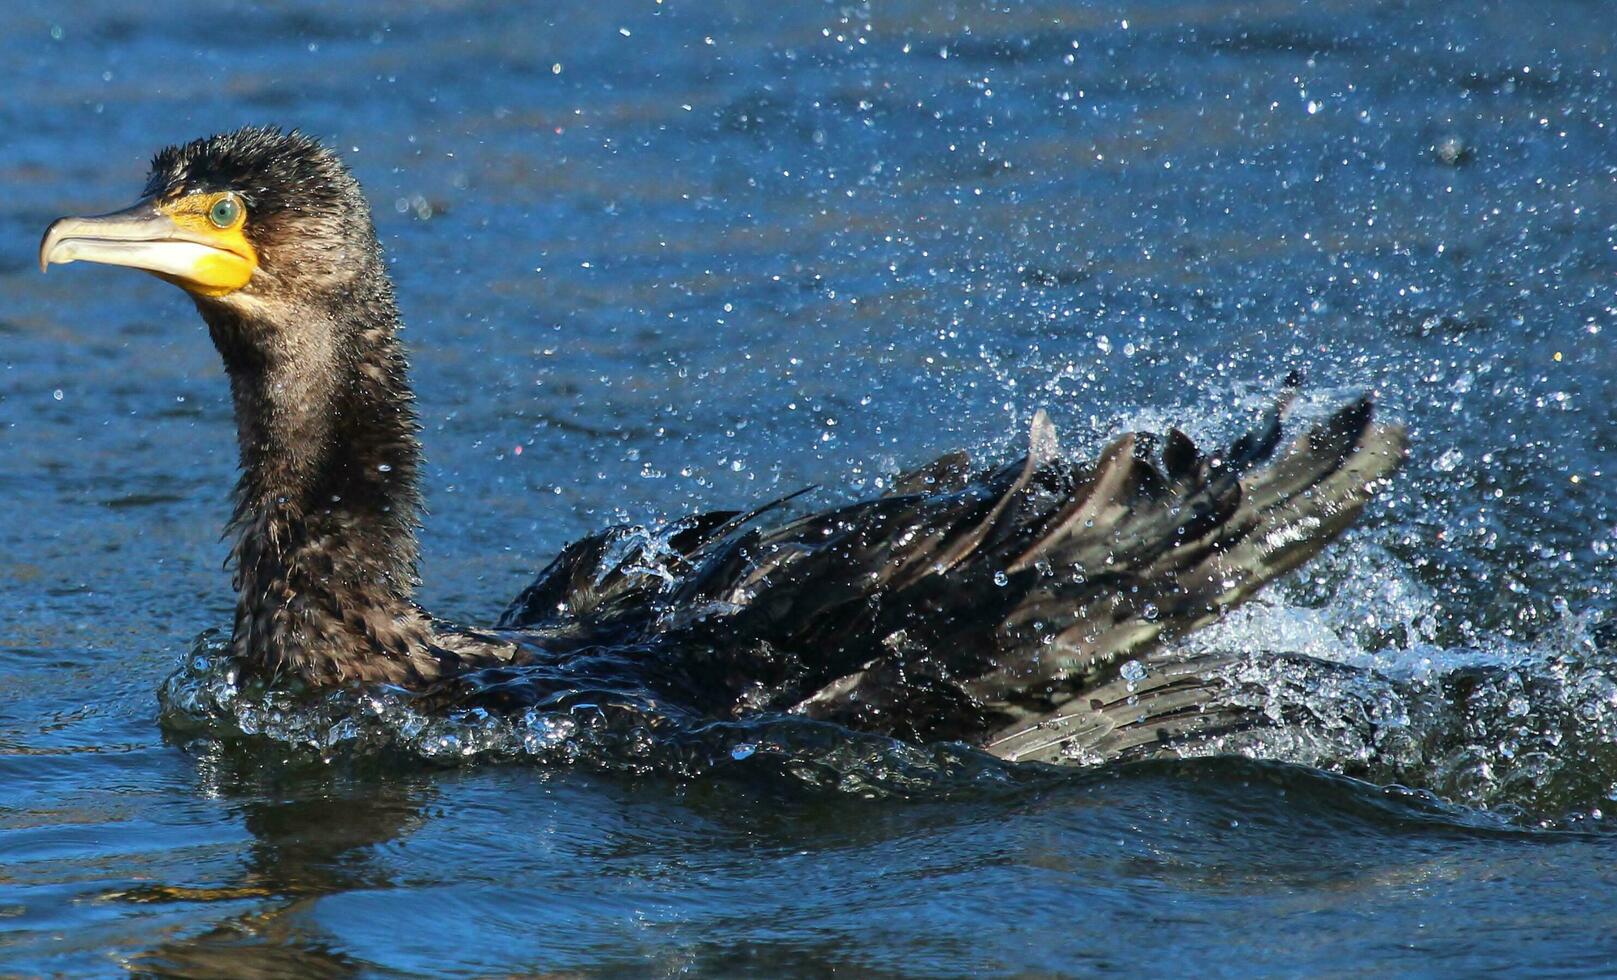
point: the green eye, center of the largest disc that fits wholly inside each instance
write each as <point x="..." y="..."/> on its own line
<point x="224" y="212"/>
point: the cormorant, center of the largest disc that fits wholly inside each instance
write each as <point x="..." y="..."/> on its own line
<point x="999" y="606"/>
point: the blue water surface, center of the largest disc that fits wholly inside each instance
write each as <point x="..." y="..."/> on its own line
<point x="666" y="255"/>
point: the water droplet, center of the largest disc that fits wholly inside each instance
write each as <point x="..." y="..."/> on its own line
<point x="1449" y="461"/>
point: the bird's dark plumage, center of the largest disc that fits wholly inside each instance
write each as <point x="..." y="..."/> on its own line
<point x="995" y="605"/>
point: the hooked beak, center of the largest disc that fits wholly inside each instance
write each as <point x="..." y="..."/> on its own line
<point x="191" y="255"/>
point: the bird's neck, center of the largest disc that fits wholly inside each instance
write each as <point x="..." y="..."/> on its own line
<point x="324" y="527"/>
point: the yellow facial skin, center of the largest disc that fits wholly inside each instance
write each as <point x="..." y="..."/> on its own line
<point x="197" y="242"/>
<point x="233" y="260"/>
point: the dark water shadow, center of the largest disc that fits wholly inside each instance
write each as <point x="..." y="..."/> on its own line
<point x="315" y="830"/>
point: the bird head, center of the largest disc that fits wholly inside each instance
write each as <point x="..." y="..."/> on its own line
<point x="252" y="215"/>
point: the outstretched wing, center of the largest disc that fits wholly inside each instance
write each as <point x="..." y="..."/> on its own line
<point x="981" y="606"/>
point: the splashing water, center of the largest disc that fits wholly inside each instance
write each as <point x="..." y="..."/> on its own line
<point x="1530" y="734"/>
<point x="1526" y="731"/>
<point x="603" y="731"/>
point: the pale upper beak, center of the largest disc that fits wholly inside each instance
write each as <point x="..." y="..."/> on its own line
<point x="145" y="237"/>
